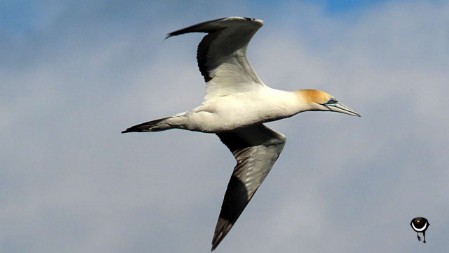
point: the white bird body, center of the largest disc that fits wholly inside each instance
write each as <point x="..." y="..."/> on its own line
<point x="235" y="106"/>
<point x="243" y="109"/>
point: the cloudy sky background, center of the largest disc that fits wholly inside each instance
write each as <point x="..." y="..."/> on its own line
<point x="73" y="74"/>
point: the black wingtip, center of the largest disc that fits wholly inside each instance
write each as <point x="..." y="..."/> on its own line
<point x="214" y="246"/>
<point x="216" y="241"/>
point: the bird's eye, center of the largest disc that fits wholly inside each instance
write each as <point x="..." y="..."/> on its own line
<point x="332" y="101"/>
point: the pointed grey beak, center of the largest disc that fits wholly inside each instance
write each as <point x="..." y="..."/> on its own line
<point x="337" y="107"/>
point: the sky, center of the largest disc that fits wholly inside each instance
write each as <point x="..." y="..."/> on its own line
<point x="74" y="74"/>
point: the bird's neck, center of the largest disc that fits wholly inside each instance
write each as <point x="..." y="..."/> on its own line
<point x="291" y="102"/>
<point x="306" y="98"/>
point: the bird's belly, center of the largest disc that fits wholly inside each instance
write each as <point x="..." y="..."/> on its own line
<point x="230" y="116"/>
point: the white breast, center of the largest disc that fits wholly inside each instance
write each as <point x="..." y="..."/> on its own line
<point x="243" y="109"/>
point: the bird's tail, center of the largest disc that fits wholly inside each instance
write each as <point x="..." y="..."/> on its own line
<point x="151" y="126"/>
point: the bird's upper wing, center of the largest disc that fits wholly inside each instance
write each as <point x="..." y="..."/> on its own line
<point x="221" y="55"/>
<point x="256" y="149"/>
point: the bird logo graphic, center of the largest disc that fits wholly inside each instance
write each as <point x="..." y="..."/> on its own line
<point x="420" y="225"/>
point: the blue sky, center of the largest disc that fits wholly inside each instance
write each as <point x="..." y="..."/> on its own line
<point x="25" y="16"/>
<point x="347" y="5"/>
<point x="73" y="74"/>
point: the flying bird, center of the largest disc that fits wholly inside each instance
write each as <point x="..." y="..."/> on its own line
<point x="235" y="107"/>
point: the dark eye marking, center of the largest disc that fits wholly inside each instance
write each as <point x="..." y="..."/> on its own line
<point x="332" y="101"/>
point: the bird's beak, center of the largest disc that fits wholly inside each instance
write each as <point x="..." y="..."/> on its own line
<point x="337" y="107"/>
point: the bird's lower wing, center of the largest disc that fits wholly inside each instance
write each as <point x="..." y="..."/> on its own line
<point x="255" y="149"/>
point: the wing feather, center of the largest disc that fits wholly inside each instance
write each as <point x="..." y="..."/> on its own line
<point x="221" y="54"/>
<point x="255" y="149"/>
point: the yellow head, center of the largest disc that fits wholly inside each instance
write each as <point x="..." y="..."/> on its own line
<point x="317" y="100"/>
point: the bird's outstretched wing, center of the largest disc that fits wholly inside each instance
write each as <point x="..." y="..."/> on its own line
<point x="256" y="149"/>
<point x="221" y="54"/>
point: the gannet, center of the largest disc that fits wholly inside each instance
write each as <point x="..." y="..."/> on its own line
<point x="235" y="106"/>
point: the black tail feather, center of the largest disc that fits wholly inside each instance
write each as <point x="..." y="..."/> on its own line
<point x="150" y="126"/>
